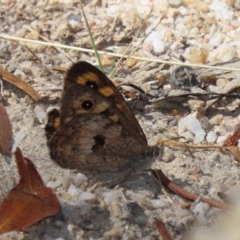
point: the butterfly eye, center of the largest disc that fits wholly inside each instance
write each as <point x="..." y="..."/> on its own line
<point x="92" y="85"/>
<point x="88" y="104"/>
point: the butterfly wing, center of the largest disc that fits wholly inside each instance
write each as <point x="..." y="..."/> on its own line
<point x="86" y="75"/>
<point x="97" y="130"/>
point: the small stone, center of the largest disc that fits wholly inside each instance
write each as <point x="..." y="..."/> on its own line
<point x="221" y="139"/>
<point x="74" y="191"/>
<point x="201" y="208"/>
<point x="79" y="179"/>
<point x="225" y="52"/>
<point x="116" y="210"/>
<point x="154" y="42"/>
<point x="132" y="62"/>
<point x="222" y="82"/>
<point x="136" y="214"/>
<point x="41" y="112"/>
<point x="205" y="124"/>
<point x="201" y="6"/>
<point x="168" y="213"/>
<point x="159" y="203"/>
<point x="54" y="184"/>
<point x="198" y="56"/>
<point x="168" y="156"/>
<point x="67" y="178"/>
<point x="183" y="11"/>
<point x="106" y="61"/>
<point x="192" y="125"/>
<point x="216" y="120"/>
<point x="34" y="46"/>
<point x="179" y="211"/>
<point x="211" y="137"/>
<point x="109" y="197"/>
<point x="196" y="105"/>
<point x="175" y="3"/>
<point x="34" y="35"/>
<point x="74" y="21"/>
<point x="234" y="105"/>
<point x="88" y="197"/>
<point x="114" y="233"/>
<point x="231" y="124"/>
<point x="216" y="40"/>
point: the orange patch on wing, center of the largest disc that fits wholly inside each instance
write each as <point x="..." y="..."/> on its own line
<point x="114" y="118"/>
<point x="88" y="76"/>
<point x="106" y="91"/>
<point x="81" y="80"/>
<point x="119" y="106"/>
<point x="56" y="123"/>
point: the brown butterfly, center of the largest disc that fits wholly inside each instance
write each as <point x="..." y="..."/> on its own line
<point x="95" y="129"/>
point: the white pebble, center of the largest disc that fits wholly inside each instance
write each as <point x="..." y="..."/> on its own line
<point x="193" y="125"/>
<point x="216" y="120"/>
<point x="221" y="139"/>
<point x="216" y="40"/>
<point x="74" y="191"/>
<point x="67" y="178"/>
<point x="79" y="179"/>
<point x="211" y="137"/>
<point x="154" y="42"/>
<point x="54" y="184"/>
<point x="40" y="111"/>
<point x="159" y="203"/>
<point x="201" y="208"/>
<point x="225" y="52"/>
<point x="179" y="211"/>
<point x="110" y="197"/>
<point x="211" y="88"/>
<point x="87" y="197"/>
<point x="175" y="3"/>
<point x="183" y="11"/>
<point x="221" y="10"/>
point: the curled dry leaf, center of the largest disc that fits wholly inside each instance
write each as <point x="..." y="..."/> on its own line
<point x="162" y="179"/>
<point x="18" y="82"/>
<point x="5" y="130"/>
<point x="29" y="201"/>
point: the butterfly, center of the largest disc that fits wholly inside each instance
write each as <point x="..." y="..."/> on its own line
<point x="94" y="130"/>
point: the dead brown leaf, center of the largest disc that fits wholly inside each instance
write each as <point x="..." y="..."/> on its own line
<point x="29" y="201"/>
<point x="18" y="82"/>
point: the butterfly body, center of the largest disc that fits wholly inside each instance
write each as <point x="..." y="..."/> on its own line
<point x="94" y="130"/>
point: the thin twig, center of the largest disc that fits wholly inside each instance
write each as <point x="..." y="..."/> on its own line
<point x="39" y="60"/>
<point x="11" y="38"/>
